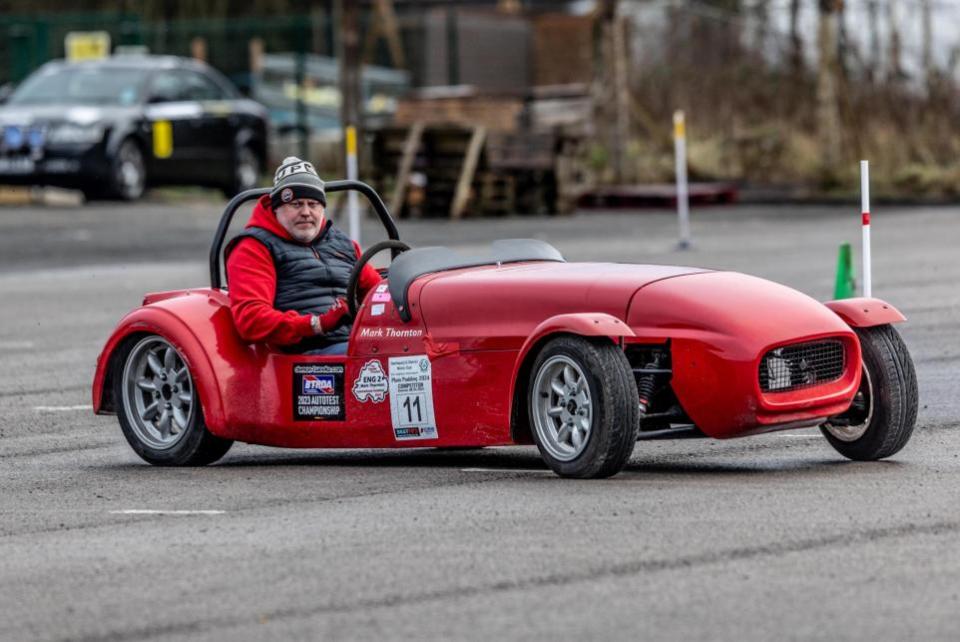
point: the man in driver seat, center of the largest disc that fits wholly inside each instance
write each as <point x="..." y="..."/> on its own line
<point x="288" y="271"/>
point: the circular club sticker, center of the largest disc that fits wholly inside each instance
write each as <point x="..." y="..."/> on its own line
<point x="286" y="195"/>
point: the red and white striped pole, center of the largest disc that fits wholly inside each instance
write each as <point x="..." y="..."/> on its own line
<point x="865" y="223"/>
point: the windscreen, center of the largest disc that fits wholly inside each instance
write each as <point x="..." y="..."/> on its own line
<point x="81" y="85"/>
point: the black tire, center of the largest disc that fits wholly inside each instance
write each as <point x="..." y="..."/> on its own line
<point x="881" y="419"/>
<point x="246" y="172"/>
<point x="128" y="172"/>
<point x="196" y="446"/>
<point x="614" y="414"/>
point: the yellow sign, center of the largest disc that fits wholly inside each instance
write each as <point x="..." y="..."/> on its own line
<point x="162" y="139"/>
<point x="86" y="45"/>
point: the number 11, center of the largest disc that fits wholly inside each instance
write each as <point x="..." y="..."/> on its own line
<point x="409" y="406"/>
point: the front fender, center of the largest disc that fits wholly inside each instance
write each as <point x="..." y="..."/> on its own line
<point x="176" y="320"/>
<point x="863" y="312"/>
<point x="124" y="130"/>
<point x="585" y="324"/>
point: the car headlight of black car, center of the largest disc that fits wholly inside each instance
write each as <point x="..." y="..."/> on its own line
<point x="74" y="134"/>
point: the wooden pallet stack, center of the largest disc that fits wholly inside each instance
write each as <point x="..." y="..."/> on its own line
<point x="427" y="170"/>
<point x="458" y="154"/>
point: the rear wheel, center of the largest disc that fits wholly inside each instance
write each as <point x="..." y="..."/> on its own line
<point x="246" y="172"/>
<point x="583" y="407"/>
<point x="159" y="408"/>
<point x="884" y="411"/>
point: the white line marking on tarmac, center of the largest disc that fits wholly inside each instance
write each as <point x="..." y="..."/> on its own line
<point x="802" y="436"/>
<point x="506" y="470"/>
<point x="148" y="511"/>
<point x="62" y="408"/>
<point x="15" y="345"/>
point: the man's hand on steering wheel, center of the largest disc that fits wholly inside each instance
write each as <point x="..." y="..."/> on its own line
<point x="332" y="318"/>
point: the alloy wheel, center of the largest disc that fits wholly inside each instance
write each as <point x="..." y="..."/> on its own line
<point x="158" y="393"/>
<point x="563" y="408"/>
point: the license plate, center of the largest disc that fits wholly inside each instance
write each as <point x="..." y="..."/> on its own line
<point x="18" y="165"/>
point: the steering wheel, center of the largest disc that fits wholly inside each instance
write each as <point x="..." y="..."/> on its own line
<point x="353" y="283"/>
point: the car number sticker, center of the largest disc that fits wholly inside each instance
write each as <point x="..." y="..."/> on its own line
<point x="318" y="392"/>
<point x="371" y="383"/>
<point x="411" y="398"/>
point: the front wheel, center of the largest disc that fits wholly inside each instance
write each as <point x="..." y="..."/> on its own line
<point x="159" y="408"/>
<point x="583" y="407"/>
<point x="884" y="411"/>
<point x="128" y="172"/>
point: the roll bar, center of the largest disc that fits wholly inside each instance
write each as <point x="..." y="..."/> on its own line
<point x="254" y="194"/>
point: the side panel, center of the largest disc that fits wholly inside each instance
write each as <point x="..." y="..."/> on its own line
<point x="470" y="389"/>
<point x="862" y="312"/>
<point x="248" y="391"/>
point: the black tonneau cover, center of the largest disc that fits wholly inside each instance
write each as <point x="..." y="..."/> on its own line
<point x="425" y="260"/>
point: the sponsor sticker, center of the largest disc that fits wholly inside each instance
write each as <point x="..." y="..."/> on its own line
<point x="318" y="392"/>
<point x="381" y="296"/>
<point x="411" y="398"/>
<point x="377" y="309"/>
<point x="382" y="288"/>
<point x="371" y="383"/>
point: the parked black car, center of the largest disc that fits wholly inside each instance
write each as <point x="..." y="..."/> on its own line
<point x="113" y="127"/>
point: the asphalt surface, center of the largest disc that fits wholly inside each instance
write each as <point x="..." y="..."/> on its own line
<point x="770" y="537"/>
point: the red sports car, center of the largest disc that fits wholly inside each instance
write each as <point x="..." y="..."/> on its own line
<point x="582" y="359"/>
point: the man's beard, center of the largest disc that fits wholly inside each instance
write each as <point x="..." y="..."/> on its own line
<point x="304" y="235"/>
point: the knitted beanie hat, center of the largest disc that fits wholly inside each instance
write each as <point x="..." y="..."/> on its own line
<point x="295" y="179"/>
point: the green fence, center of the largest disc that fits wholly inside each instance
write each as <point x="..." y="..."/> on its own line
<point x="28" y="42"/>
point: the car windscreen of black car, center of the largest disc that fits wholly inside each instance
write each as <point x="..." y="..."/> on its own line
<point x="182" y="84"/>
<point x="81" y="85"/>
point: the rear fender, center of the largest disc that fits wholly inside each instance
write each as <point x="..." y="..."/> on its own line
<point x="863" y="312"/>
<point x="585" y="324"/>
<point x="171" y="326"/>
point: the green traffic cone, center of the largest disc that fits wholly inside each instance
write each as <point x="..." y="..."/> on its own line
<point x="846" y="285"/>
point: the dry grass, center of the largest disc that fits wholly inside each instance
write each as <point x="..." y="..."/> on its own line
<point x="753" y="122"/>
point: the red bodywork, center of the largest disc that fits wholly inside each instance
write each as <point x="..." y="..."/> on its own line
<point x="480" y="326"/>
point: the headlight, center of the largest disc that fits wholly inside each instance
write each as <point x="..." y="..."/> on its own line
<point x="71" y="134"/>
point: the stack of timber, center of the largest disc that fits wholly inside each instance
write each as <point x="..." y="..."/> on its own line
<point x="455" y="153"/>
<point x="460" y="105"/>
<point x="427" y="171"/>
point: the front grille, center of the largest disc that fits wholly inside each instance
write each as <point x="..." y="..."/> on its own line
<point x="801" y="365"/>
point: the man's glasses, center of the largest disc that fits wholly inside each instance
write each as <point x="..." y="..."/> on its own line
<point x="301" y="204"/>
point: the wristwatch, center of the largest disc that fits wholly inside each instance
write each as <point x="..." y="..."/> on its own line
<point x="315" y="324"/>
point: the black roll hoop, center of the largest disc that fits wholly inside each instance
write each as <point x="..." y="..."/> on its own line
<point x="253" y="194"/>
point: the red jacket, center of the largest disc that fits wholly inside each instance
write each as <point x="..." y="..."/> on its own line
<point x="252" y="282"/>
